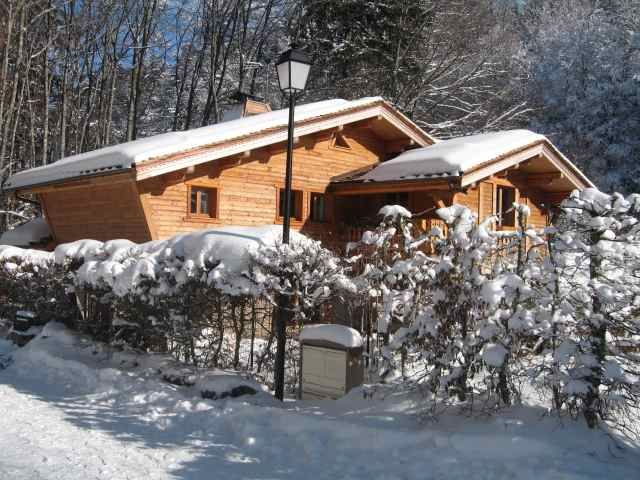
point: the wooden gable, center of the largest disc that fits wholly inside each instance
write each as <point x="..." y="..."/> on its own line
<point x="248" y="185"/>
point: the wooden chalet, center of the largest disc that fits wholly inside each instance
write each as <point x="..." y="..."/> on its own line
<point x="350" y="158"/>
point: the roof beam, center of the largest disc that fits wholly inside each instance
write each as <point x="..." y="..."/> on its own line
<point x="364" y="188"/>
<point x="398" y="146"/>
<point x="538" y="179"/>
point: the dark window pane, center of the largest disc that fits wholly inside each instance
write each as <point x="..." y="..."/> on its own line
<point x="317" y="207"/>
<point x="194" y="201"/>
<point x="506" y="198"/>
<point x="204" y="202"/>
<point x="281" y="203"/>
<point x="397" y="198"/>
<point x="296" y="203"/>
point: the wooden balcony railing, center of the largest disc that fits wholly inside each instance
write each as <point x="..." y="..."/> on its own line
<point x="351" y="233"/>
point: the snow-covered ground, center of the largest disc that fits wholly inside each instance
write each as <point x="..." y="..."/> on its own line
<point x="71" y="410"/>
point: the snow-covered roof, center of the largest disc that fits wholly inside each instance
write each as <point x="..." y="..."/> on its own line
<point x="125" y="156"/>
<point x="338" y="334"/>
<point x="32" y="232"/>
<point x="452" y="157"/>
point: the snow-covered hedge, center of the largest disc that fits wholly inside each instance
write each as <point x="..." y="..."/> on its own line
<point x="488" y="310"/>
<point x="189" y="294"/>
<point x="465" y="314"/>
<point x="30" y="280"/>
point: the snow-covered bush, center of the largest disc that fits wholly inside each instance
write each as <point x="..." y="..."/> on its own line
<point x="558" y="306"/>
<point x="458" y="315"/>
<point x="385" y="288"/>
<point x="305" y="272"/>
<point x="597" y="252"/>
<point x="30" y="280"/>
<point x="464" y="322"/>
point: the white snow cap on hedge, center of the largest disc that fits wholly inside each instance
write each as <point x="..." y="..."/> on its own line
<point x="338" y="334"/>
<point x="122" y="264"/>
<point x="33" y="257"/>
<point x="394" y="211"/>
<point x="494" y="354"/>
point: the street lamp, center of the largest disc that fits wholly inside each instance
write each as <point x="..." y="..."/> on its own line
<point x="293" y="70"/>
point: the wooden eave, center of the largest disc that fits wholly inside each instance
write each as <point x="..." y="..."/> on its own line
<point x="449" y="184"/>
<point x="511" y="159"/>
<point x="380" y="111"/>
<point x="564" y="169"/>
<point x="103" y="178"/>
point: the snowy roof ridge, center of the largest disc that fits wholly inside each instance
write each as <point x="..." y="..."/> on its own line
<point x="125" y="156"/>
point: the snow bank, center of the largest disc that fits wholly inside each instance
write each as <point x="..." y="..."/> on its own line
<point x="338" y="334"/>
<point x="451" y="157"/>
<point x="126" y="155"/>
<point x="74" y="410"/>
<point x="33" y="231"/>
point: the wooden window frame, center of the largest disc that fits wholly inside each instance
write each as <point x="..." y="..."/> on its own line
<point x="324" y="196"/>
<point x="212" y="216"/>
<point x="500" y="208"/>
<point x="294" y="217"/>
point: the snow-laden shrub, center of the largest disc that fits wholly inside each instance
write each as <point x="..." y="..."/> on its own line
<point x="491" y="309"/>
<point x="385" y="284"/>
<point x="596" y="254"/>
<point x="303" y="271"/>
<point x="30" y="280"/>
<point x="455" y="316"/>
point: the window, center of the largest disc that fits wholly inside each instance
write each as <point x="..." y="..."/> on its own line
<point x="318" y="208"/>
<point x="203" y="202"/>
<point x="506" y="196"/>
<point x="296" y="204"/>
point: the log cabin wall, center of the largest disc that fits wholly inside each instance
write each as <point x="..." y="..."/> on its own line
<point x="482" y="199"/>
<point x="247" y="187"/>
<point x="103" y="208"/>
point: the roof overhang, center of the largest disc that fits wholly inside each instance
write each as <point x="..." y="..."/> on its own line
<point x="375" y="110"/>
<point x="543" y="150"/>
<point x="381" y="111"/>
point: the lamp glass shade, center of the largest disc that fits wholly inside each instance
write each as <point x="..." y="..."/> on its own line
<point x="293" y="71"/>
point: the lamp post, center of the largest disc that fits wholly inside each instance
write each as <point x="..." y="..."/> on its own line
<point x="293" y="70"/>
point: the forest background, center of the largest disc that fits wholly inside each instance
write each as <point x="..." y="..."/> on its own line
<point x="77" y="75"/>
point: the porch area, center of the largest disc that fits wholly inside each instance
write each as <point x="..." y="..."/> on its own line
<point x="355" y="214"/>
